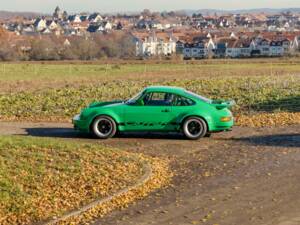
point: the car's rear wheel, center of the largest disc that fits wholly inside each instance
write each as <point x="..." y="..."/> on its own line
<point x="194" y="128"/>
<point x="104" y="127"/>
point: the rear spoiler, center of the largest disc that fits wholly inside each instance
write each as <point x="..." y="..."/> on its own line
<point x="220" y="104"/>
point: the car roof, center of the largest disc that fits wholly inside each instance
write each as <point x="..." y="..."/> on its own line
<point x="175" y="90"/>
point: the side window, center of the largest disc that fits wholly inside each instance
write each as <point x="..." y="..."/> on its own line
<point x="182" y="101"/>
<point x="158" y="99"/>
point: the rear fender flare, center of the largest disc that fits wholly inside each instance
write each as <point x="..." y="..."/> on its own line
<point x="206" y="118"/>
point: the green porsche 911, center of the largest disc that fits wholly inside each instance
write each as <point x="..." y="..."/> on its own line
<point x="158" y="108"/>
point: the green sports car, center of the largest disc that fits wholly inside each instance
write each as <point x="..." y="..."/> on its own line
<point x="158" y="108"/>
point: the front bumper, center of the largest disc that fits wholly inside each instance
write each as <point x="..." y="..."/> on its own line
<point x="80" y="125"/>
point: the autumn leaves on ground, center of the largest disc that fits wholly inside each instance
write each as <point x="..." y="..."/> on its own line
<point x="42" y="179"/>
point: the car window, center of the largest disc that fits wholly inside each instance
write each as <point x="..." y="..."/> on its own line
<point x="158" y="99"/>
<point x="199" y="97"/>
<point x="133" y="100"/>
<point x="182" y="101"/>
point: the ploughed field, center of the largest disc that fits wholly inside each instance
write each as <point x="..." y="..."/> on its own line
<point x="49" y="91"/>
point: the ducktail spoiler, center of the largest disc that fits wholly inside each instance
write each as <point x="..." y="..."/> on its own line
<point x="220" y="104"/>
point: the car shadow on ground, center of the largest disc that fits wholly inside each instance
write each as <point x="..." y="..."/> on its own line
<point x="153" y="135"/>
<point x="54" y="133"/>
<point x="278" y="140"/>
<point x="70" y="133"/>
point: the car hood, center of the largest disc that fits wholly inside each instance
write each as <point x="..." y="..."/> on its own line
<point x="102" y="104"/>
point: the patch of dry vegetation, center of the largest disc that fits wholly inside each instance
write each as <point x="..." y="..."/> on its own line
<point x="269" y="119"/>
<point x="265" y="94"/>
<point x="159" y="178"/>
<point x="55" y="92"/>
<point x="40" y="178"/>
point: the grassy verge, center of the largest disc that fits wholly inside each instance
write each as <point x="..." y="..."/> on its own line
<point x="42" y="178"/>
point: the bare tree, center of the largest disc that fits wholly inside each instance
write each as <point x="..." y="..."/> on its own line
<point x="146" y="13"/>
<point x="44" y="50"/>
<point x="7" y="53"/>
<point x="127" y="47"/>
<point x="67" y="53"/>
<point x="85" y="49"/>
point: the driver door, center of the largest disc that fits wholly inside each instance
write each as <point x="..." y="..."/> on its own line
<point x="153" y="113"/>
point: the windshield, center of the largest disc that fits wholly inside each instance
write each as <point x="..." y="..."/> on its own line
<point x="207" y="100"/>
<point x="135" y="98"/>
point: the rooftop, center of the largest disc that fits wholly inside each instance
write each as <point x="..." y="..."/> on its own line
<point x="165" y="89"/>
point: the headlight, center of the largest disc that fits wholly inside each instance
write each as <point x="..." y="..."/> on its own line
<point x="226" y="119"/>
<point x="76" y="118"/>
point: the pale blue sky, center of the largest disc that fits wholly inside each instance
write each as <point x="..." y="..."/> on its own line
<point x="136" y="5"/>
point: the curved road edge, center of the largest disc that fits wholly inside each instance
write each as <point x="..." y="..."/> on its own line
<point x="144" y="179"/>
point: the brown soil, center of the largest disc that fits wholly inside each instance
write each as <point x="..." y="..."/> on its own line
<point x="294" y="59"/>
<point x="246" y="177"/>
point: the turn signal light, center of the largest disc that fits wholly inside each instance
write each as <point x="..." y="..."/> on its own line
<point x="226" y="119"/>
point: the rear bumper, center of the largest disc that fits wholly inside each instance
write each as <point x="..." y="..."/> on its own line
<point x="80" y="125"/>
<point x="222" y="126"/>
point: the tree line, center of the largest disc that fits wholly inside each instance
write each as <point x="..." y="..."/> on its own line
<point x="90" y="47"/>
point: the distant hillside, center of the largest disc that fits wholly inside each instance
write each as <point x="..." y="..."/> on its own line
<point x="260" y="10"/>
<point x="9" y="15"/>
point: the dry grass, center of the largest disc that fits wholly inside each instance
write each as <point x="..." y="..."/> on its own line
<point x="36" y="76"/>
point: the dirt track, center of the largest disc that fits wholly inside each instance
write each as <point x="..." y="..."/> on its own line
<point x="250" y="176"/>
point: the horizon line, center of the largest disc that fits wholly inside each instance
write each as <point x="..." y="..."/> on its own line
<point x="170" y="10"/>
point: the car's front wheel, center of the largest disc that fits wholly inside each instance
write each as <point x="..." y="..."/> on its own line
<point x="194" y="128"/>
<point x="104" y="127"/>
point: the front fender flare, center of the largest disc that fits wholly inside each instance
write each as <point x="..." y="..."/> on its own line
<point x="113" y="115"/>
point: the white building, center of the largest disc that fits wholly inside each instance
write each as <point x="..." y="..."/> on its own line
<point x="276" y="48"/>
<point x="95" y="18"/>
<point x="40" y="24"/>
<point x="239" y="49"/>
<point x="295" y="46"/>
<point x="195" y="50"/>
<point x="155" y="44"/>
<point x="263" y="45"/>
<point x="51" y="25"/>
<point x="75" y="18"/>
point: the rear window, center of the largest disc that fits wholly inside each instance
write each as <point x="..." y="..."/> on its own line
<point x="182" y="101"/>
<point x="204" y="99"/>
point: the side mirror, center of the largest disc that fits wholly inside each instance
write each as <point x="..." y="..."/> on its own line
<point x="140" y="102"/>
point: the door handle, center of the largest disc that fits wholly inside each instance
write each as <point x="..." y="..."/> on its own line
<point x="166" y="110"/>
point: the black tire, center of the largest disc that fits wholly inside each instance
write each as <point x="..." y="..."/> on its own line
<point x="208" y="135"/>
<point x="194" y="128"/>
<point x="104" y="127"/>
